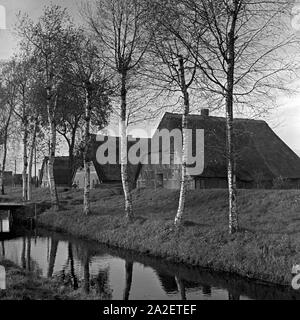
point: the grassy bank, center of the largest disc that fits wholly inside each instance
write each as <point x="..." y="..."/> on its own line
<point x="266" y="248"/>
<point x="24" y="285"/>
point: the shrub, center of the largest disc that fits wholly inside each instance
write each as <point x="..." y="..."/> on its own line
<point x="281" y="183"/>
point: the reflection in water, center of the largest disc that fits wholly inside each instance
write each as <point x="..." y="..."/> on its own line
<point x="102" y="282"/>
<point x="28" y="253"/>
<point x="233" y="296"/>
<point x="53" y="251"/>
<point x="168" y="283"/>
<point x="23" y="255"/>
<point x="4" y="225"/>
<point x="117" y="274"/>
<point x="86" y="267"/>
<point x="128" y="272"/>
<point x="74" y="281"/>
<point x="206" y="290"/>
<point x="181" y="287"/>
<point x="3" y="248"/>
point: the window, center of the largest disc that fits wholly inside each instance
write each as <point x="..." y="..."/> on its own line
<point x="200" y="184"/>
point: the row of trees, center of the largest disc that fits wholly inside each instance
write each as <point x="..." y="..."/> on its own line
<point x="234" y="54"/>
<point x="231" y="54"/>
<point x="54" y="85"/>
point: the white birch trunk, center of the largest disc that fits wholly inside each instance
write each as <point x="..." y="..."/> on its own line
<point x="25" y="158"/>
<point x="51" y="180"/>
<point x="1" y="180"/>
<point x="124" y="151"/>
<point x="30" y="165"/>
<point x="2" y="191"/>
<point x="2" y="169"/>
<point x="87" y="173"/>
<point x="183" y="184"/>
<point x="233" y="214"/>
<point x="124" y="173"/>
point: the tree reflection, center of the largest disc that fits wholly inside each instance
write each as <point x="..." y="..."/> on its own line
<point x="53" y="252"/>
<point x="72" y="268"/>
<point x="168" y="283"/>
<point x="102" y="285"/>
<point x="86" y="268"/>
<point x="181" y="287"/>
<point x="29" y="253"/>
<point x="206" y="290"/>
<point x="3" y="249"/>
<point x="233" y="296"/>
<point x="23" y="254"/>
<point x="128" y="281"/>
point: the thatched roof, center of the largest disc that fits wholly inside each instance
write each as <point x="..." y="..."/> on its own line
<point x="61" y="170"/>
<point x="112" y="172"/>
<point x="259" y="151"/>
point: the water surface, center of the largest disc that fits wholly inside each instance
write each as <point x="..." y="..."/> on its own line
<point x="108" y="273"/>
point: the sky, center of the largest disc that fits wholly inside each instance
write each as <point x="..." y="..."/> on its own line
<point x="285" y="121"/>
<point x="34" y="8"/>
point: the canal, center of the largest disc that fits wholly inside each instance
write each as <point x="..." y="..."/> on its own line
<point x="109" y="273"/>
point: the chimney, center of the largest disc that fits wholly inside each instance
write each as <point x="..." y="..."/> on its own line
<point x="205" y="112"/>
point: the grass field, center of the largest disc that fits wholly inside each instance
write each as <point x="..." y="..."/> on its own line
<point x="266" y="248"/>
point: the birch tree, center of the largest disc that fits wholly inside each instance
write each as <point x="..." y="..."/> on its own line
<point x="72" y="113"/>
<point x="89" y="74"/>
<point x="6" y="112"/>
<point x="119" y="27"/>
<point x="24" y="79"/>
<point x="173" y="69"/>
<point x="70" y="120"/>
<point x="7" y="106"/>
<point x="32" y="150"/>
<point x="36" y="121"/>
<point x="244" y="61"/>
<point x="48" y="40"/>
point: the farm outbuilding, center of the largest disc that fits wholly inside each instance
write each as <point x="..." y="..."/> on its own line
<point x="109" y="173"/>
<point x="7" y="178"/>
<point x="79" y="178"/>
<point x="17" y="179"/>
<point x="263" y="160"/>
<point x="62" y="174"/>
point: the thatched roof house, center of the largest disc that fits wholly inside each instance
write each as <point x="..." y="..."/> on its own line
<point x="79" y="178"/>
<point x="18" y="179"/>
<point x="262" y="158"/>
<point x="61" y="172"/>
<point x="7" y="178"/>
<point x="111" y="173"/>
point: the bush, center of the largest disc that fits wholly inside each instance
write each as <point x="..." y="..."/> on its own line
<point x="281" y="183"/>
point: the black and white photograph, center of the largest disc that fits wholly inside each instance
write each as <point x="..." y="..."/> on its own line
<point x="149" y="153"/>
